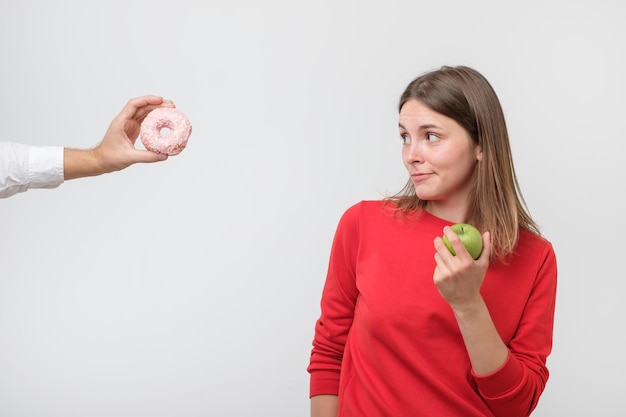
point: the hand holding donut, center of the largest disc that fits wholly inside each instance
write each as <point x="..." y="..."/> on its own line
<point x="117" y="149"/>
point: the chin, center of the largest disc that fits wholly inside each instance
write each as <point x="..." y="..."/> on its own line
<point x="423" y="195"/>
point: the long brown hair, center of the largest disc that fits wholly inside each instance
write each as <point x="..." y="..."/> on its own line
<point x="496" y="202"/>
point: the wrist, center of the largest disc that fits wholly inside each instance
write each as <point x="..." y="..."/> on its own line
<point x="469" y="309"/>
<point x="78" y="163"/>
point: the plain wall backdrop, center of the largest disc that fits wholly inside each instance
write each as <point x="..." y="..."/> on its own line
<point x="191" y="287"/>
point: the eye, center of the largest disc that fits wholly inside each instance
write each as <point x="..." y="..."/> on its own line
<point x="431" y="137"/>
<point x="405" y="138"/>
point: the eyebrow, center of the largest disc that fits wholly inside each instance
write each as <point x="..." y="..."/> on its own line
<point x="422" y="127"/>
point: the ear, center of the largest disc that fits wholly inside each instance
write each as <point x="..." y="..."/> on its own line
<point x="479" y="153"/>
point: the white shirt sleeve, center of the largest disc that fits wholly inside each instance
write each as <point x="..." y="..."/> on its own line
<point x="25" y="166"/>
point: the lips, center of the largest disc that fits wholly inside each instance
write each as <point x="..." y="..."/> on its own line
<point x="417" y="177"/>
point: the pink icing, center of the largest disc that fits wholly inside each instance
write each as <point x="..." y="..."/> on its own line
<point x="172" y="142"/>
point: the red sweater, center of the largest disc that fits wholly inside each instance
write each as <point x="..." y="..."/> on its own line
<point x="388" y="344"/>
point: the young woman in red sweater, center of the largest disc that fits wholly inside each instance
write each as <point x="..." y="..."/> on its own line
<point x="406" y="327"/>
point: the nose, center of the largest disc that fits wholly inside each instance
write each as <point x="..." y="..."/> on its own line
<point x="412" y="153"/>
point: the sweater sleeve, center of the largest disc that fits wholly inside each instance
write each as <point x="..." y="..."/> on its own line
<point x="337" y="308"/>
<point x="23" y="167"/>
<point x="515" y="388"/>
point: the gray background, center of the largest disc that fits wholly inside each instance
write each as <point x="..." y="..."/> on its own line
<point x="191" y="287"/>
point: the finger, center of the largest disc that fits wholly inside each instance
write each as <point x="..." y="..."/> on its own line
<point x="139" y="107"/>
<point x="443" y="257"/>
<point x="441" y="247"/>
<point x="455" y="241"/>
<point x="142" y="112"/>
<point x="486" y="252"/>
<point x="440" y="267"/>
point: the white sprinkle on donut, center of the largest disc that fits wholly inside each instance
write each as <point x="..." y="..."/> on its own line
<point x="165" y="130"/>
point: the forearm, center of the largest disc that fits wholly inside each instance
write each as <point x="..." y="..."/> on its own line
<point x="324" y="406"/>
<point x="486" y="350"/>
<point x="78" y="163"/>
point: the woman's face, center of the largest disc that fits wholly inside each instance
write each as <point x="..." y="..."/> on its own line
<point x="440" y="157"/>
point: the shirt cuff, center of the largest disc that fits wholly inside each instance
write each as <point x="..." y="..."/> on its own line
<point x="502" y="381"/>
<point x="324" y="382"/>
<point x="45" y="166"/>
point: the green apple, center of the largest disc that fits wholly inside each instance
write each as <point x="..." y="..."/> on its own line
<point x="469" y="236"/>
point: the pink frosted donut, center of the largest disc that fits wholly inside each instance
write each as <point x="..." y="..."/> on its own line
<point x="171" y="142"/>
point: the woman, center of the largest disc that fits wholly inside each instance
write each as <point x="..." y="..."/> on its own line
<point x="406" y="327"/>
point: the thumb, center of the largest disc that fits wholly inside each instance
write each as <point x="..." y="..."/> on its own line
<point x="145" y="156"/>
<point x="486" y="252"/>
